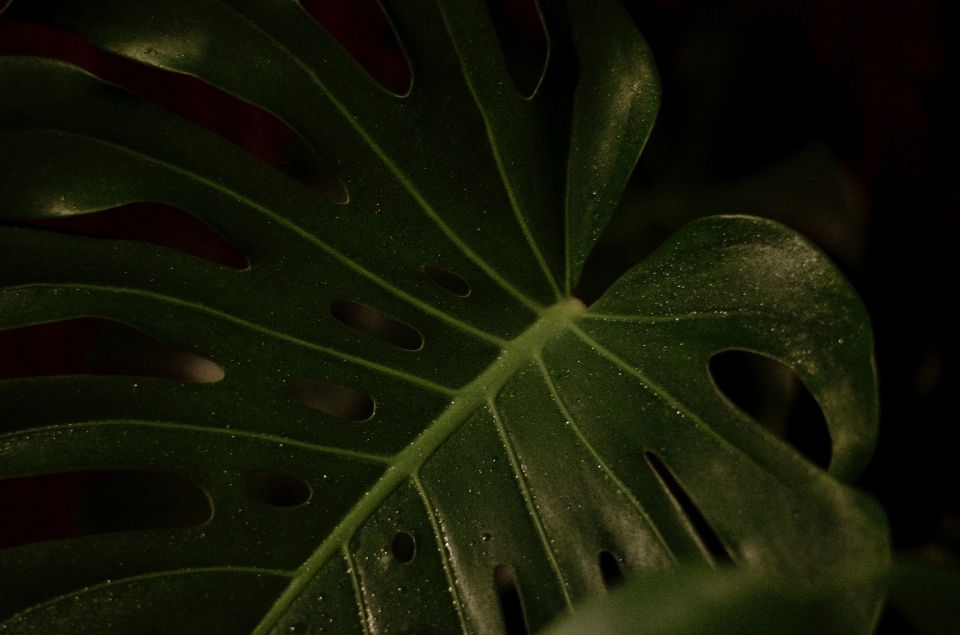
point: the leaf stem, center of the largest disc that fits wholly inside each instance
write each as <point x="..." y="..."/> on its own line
<point x="407" y="463"/>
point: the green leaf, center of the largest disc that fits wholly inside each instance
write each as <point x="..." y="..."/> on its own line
<point x="702" y="601"/>
<point x="525" y="431"/>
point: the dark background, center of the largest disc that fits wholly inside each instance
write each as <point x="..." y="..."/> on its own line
<point x="839" y="118"/>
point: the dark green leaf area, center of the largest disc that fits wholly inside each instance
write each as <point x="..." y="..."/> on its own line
<point x="616" y="103"/>
<point x="699" y="601"/>
<point x="255" y="394"/>
<point x="90" y="146"/>
<point x="566" y="446"/>
<point x="245" y="531"/>
<point x="729" y="283"/>
<point x="495" y="425"/>
<point x="462" y="98"/>
<point x="218" y="601"/>
<point x="539" y="465"/>
<point x="402" y="594"/>
<point x="644" y="349"/>
<point x="382" y="147"/>
<point x="771" y="514"/>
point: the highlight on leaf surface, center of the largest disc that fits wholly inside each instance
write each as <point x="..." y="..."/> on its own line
<point x="703" y="601"/>
<point x="418" y="428"/>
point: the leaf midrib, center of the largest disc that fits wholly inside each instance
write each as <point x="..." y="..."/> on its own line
<point x="407" y="463"/>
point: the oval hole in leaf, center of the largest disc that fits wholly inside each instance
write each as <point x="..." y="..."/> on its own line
<point x="46" y="350"/>
<point x="363" y="30"/>
<point x="247" y="126"/>
<point x="152" y="223"/>
<point x="336" y="400"/>
<point x="126" y="500"/>
<point x="38" y="508"/>
<point x="523" y="41"/>
<point x="447" y="280"/>
<point x="90" y="502"/>
<point x="303" y="164"/>
<point x="403" y="546"/>
<point x="96" y="346"/>
<point x="276" y="488"/>
<point x="772" y="394"/>
<point x="610" y="569"/>
<point x="708" y="537"/>
<point x="506" y="585"/>
<point x="375" y="324"/>
<point x="121" y="350"/>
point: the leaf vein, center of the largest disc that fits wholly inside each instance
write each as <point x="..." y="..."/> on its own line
<point x="664" y="395"/>
<point x="444" y="556"/>
<point x="399" y="174"/>
<point x="147" y="576"/>
<point x="530" y="503"/>
<point x="505" y="179"/>
<point x="311" y="238"/>
<point x="656" y="319"/>
<point x="467" y="402"/>
<point x="346" y="357"/>
<point x="621" y="487"/>
<point x="357" y="590"/>
<point x="231" y="432"/>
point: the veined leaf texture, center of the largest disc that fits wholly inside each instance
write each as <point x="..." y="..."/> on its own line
<point x="401" y="415"/>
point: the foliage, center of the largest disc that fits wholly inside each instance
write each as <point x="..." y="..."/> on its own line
<point x="703" y="601"/>
<point x="517" y="435"/>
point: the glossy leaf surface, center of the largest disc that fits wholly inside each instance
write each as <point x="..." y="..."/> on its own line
<point x="379" y="446"/>
<point x="701" y="601"/>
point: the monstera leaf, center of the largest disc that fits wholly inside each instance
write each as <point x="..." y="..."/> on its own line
<point x="702" y="601"/>
<point x="451" y="426"/>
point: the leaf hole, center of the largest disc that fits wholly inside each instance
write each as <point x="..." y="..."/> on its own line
<point x="403" y="546"/>
<point x="121" y="350"/>
<point x="97" y="346"/>
<point x="771" y="393"/>
<point x="510" y="603"/>
<point x="698" y="523"/>
<point x="152" y="223"/>
<point x="335" y="400"/>
<point x="126" y="500"/>
<point x="301" y="163"/>
<point x="38" y="508"/>
<point x="523" y="40"/>
<point x="276" y="488"/>
<point x="447" y="280"/>
<point x="375" y="324"/>
<point x="255" y="130"/>
<point x="610" y="569"/>
<point x="363" y="29"/>
<point x="46" y="350"/>
<point x="90" y="502"/>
